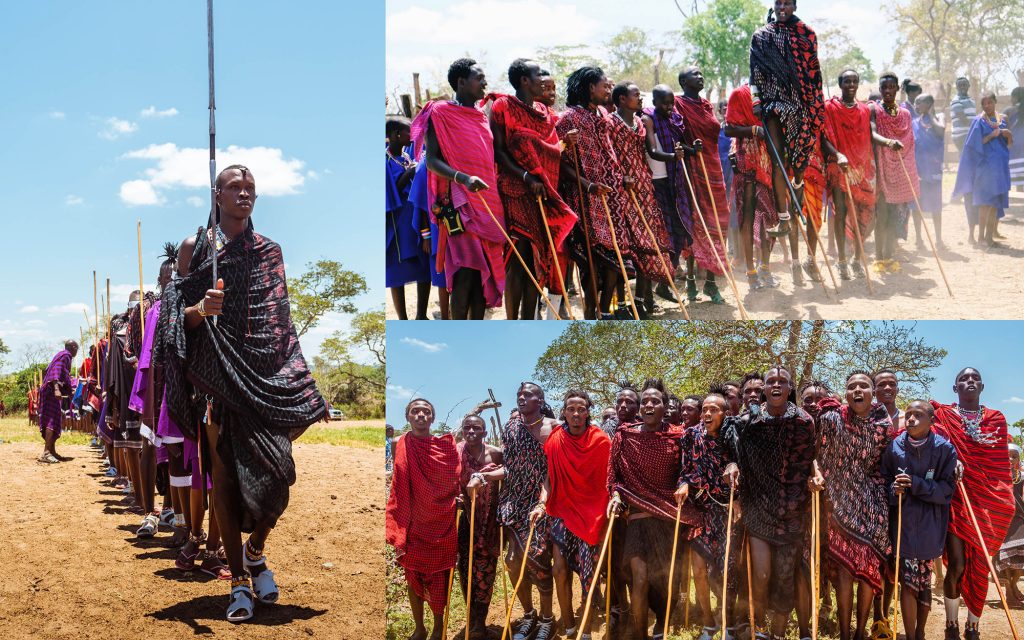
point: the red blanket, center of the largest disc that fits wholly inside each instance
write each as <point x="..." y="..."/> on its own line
<point x="701" y="123"/>
<point x="577" y="470"/>
<point x="987" y="480"/>
<point x="644" y="469"/>
<point x="420" y="514"/>
<point x="892" y="179"/>
<point x="751" y="153"/>
<point x="849" y="130"/>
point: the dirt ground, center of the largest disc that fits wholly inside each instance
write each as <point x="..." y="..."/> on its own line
<point x="987" y="283"/>
<point x="72" y="567"/>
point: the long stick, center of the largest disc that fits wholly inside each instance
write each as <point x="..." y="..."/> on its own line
<point x="501" y="554"/>
<point x="511" y="244"/>
<point x="686" y="603"/>
<point x="718" y="259"/>
<point x="451" y="581"/>
<point x="750" y="591"/>
<point x="586" y="224"/>
<point x="608" y="593"/>
<point x="852" y="210"/>
<point x="469" y="566"/>
<point x="819" y="243"/>
<point x="927" y="231"/>
<point x="494" y="401"/>
<point x="672" y="569"/>
<point x="814" y="566"/>
<point x="618" y="254"/>
<point x="661" y="256"/>
<point x="214" y="221"/>
<point x="600" y="559"/>
<point x="142" y="291"/>
<point x="725" y="561"/>
<point x="554" y="255"/>
<point x="519" y="581"/>
<point x="896" y="575"/>
<point x="718" y="226"/>
<point x="108" y="307"/>
<point x="988" y="559"/>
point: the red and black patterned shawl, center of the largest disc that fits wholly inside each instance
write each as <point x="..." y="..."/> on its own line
<point x="644" y="468"/>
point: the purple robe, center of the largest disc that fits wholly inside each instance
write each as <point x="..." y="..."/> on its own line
<point x="50" y="412"/>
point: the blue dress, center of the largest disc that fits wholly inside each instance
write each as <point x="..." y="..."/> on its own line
<point x="405" y="261"/>
<point x="984" y="170"/>
<point x="928" y="152"/>
<point x="421" y="203"/>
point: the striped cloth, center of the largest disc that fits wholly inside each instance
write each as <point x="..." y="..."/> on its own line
<point x="962" y="111"/>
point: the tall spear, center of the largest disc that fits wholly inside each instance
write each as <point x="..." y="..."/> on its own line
<point x="213" y="147"/>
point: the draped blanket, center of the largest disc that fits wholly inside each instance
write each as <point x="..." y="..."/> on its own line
<point x="644" y="469"/>
<point x="984" y="169"/>
<point x="485" y="530"/>
<point x="784" y="67"/>
<point x="419" y="520"/>
<point x="526" y="468"/>
<point x="849" y="130"/>
<point x="464" y="137"/>
<point x="851" y="462"/>
<point x="670" y="131"/>
<point x="533" y="143"/>
<point x="577" y="471"/>
<point x="702" y="124"/>
<point x="892" y="181"/>
<point x="59" y="372"/>
<point x="986" y="478"/>
<point x="250" y="364"/>
<point x="144" y="392"/>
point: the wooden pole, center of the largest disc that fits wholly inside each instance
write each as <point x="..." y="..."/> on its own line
<point x="554" y="255"/>
<point x="108" y="306"/>
<point x="725" y="561"/>
<point x="927" y="231"/>
<point x="501" y="555"/>
<point x="511" y="244"/>
<point x="718" y="227"/>
<point x="750" y="591"/>
<point x="451" y="581"/>
<point x="469" y="564"/>
<point x="988" y="559"/>
<point x="586" y="225"/>
<point x="600" y="559"/>
<point x="814" y="567"/>
<point x="824" y="225"/>
<point x="707" y="232"/>
<point x="519" y="580"/>
<point x="689" y="572"/>
<point x="672" y="569"/>
<point x="852" y="210"/>
<point x="416" y="89"/>
<point x="142" y="291"/>
<point x="618" y="254"/>
<point x="608" y="593"/>
<point x="661" y="256"/>
<point x="896" y="575"/>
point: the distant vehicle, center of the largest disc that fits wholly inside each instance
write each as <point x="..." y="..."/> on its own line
<point x="335" y="414"/>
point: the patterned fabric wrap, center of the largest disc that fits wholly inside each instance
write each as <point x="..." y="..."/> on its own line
<point x="916" y="575"/>
<point x="784" y="67"/>
<point x="849" y="130"/>
<point x="58" y="373"/>
<point x="485" y="531"/>
<point x="1011" y="554"/>
<point x="580" y="556"/>
<point x="892" y="181"/>
<point x="644" y="468"/>
<point x="249" y="364"/>
<point x="858" y="499"/>
<point x="670" y="131"/>
<point x="526" y="468"/>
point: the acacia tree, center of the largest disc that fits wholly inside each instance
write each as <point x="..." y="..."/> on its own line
<point x="324" y="287"/>
<point x="837" y="52"/>
<point x="718" y="40"/>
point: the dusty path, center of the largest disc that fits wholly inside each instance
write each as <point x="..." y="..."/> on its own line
<point x="72" y="567"/>
<point x="988" y="283"/>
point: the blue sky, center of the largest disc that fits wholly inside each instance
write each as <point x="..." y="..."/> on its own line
<point x="104" y="121"/>
<point x="449" y="362"/>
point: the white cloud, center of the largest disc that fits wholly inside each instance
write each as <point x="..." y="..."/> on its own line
<point x="116" y="127"/>
<point x="399" y="392"/>
<point x="188" y="168"/>
<point x="72" y="200"/>
<point x="70" y="307"/>
<point x="152" y="112"/>
<point x="196" y="201"/>
<point x="35" y="323"/>
<point x="29" y="309"/>
<point x="312" y="175"/>
<point x="1014" y="400"/>
<point x="139" y="193"/>
<point x="57" y="115"/>
<point x="429" y="347"/>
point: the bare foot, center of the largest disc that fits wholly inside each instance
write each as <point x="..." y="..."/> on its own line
<point x="419" y="634"/>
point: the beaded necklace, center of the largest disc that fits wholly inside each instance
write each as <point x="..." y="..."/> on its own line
<point x="972" y="425"/>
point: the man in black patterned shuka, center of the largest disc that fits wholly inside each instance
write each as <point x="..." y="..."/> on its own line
<point x="241" y="382"/>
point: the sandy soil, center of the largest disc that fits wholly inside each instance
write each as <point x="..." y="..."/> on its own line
<point x="72" y="567"/>
<point x="987" y="283"/>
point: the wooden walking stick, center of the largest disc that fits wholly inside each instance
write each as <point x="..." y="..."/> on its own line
<point x="608" y="593"/>
<point x="511" y="244"/>
<point x="600" y="559"/>
<point x="451" y="581"/>
<point x="852" y="209"/>
<point x="142" y="291"/>
<point x="988" y="559"/>
<point x="519" y="580"/>
<point x="554" y="255"/>
<point x="672" y="569"/>
<point x="927" y="231"/>
<point x="469" y="565"/>
<point x="750" y="589"/>
<point x="108" y="307"/>
<point x="586" y="224"/>
<point x="618" y="254"/>
<point x="814" y="566"/>
<point x="820" y="242"/>
<point x="661" y="256"/>
<point x="725" y="560"/>
<point x="501" y="555"/>
<point x="896" y="576"/>
<point x="686" y="603"/>
<point x="707" y="232"/>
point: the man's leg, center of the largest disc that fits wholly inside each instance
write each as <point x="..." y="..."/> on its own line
<point x="515" y="280"/>
<point x="909" y="611"/>
<point x="422" y="299"/>
<point x="865" y="598"/>
<point x="779" y="177"/>
<point x="638" y="596"/>
<point x="563" y="587"/>
<point x="398" y="299"/>
<point x="702" y="587"/>
<point x="462" y="284"/>
<point x="844" y="603"/>
<point x="881" y="228"/>
<point x="972" y="216"/>
<point x="148" y="475"/>
<point x="956" y="563"/>
<point x="228" y="508"/>
<point x="416" y="604"/>
<point x="609" y="280"/>
<point x="443" y="297"/>
<point x="761" y="567"/>
<point x="747" y="232"/>
<point x="477" y="302"/>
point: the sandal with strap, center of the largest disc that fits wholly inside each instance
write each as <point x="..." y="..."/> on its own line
<point x="149" y="526"/>
<point x="213" y="566"/>
<point x="241" y="606"/>
<point x="186" y="560"/>
<point x="263" y="582"/>
<point x="881" y="630"/>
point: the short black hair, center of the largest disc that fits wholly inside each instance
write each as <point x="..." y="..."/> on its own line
<point x="779" y="367"/>
<point x="752" y="375"/>
<point x="926" y="97"/>
<point x="861" y="372"/>
<point x="846" y="71"/>
<point x="888" y="75"/>
<point x="577" y="85"/>
<point x="658" y="385"/>
<point x="661" y="91"/>
<point x="620" y="90"/>
<point x="694" y="396"/>
<point x="519" y="69"/>
<point x="395" y="123"/>
<point x="717" y="387"/>
<point x="928" y="406"/>
<point x="989" y="94"/>
<point x="235" y="167"/>
<point x="965" y="370"/>
<point x="879" y="372"/>
<point x="815" y="383"/>
<point x="415" y="400"/>
<point x="459" y="70"/>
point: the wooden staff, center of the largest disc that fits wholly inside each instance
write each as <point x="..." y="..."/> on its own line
<point x="554" y="255"/>
<point x="661" y="256"/>
<point x="824" y="225"/>
<point x="618" y="254"/>
<point x="108" y="306"/>
<point x="586" y="225"/>
<point x="725" y="562"/>
<point x="927" y="231"/>
<point x="750" y="589"/>
<point x="469" y="566"/>
<point x="608" y="593"/>
<point x="852" y="210"/>
<point x="707" y="232"/>
<point x="451" y="581"/>
<point x="718" y="227"/>
<point x="96" y="307"/>
<point x="519" y="580"/>
<point x="672" y="569"/>
<point x="529" y="273"/>
<point x="600" y="559"/>
<point x="896" y="575"/>
<point x="686" y="603"/>
<point x="814" y="566"/>
<point x="501" y="555"/>
<point x="142" y="291"/>
<point x="988" y="559"/>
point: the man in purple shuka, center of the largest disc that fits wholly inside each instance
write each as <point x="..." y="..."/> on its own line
<point x="56" y="383"/>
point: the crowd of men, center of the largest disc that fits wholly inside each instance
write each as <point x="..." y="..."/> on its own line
<point x="499" y="199"/>
<point x="196" y="393"/>
<point x="786" y="495"/>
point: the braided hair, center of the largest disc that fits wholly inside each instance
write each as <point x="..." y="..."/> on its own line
<point x="577" y="86"/>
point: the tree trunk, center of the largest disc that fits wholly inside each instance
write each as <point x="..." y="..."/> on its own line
<point x="792" y="344"/>
<point x="813" y="350"/>
<point x="657" y="66"/>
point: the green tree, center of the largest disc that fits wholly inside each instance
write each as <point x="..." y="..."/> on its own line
<point x="324" y="287"/>
<point x="4" y="350"/>
<point x="561" y="60"/>
<point x="357" y="388"/>
<point x="718" y="39"/>
<point x="837" y="52"/>
<point x="1019" y="426"/>
<point x="691" y="356"/>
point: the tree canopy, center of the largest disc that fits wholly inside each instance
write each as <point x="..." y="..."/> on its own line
<point x="324" y="287"/>
<point x="717" y="40"/>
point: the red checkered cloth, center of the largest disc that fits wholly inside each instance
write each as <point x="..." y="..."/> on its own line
<point x="644" y="469"/>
